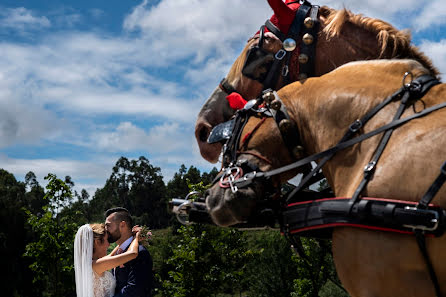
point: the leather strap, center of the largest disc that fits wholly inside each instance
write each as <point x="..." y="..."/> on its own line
<point x="421" y="240"/>
<point x="226" y="87"/>
<point x="434" y="188"/>
<point x="370" y="167"/>
<point x="425" y="81"/>
<point x="345" y="144"/>
<point x="298" y="21"/>
<point x="273" y="29"/>
<point x="310" y="49"/>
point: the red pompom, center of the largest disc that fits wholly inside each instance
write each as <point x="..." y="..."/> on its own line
<point x="236" y="101"/>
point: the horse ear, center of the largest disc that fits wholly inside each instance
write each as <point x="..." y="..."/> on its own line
<point x="283" y="14"/>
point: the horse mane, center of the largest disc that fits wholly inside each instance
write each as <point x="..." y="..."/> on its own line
<point x="398" y="42"/>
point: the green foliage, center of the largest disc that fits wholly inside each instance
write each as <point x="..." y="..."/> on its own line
<point x="179" y="185"/>
<point x="206" y="260"/>
<point x="15" y="233"/>
<point x="51" y="253"/>
<point x="315" y="269"/>
<point x="138" y="186"/>
<point x="272" y="272"/>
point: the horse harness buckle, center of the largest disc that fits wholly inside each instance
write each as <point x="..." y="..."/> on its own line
<point x="229" y="176"/>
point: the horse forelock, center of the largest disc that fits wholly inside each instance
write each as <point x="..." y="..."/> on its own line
<point x="393" y="41"/>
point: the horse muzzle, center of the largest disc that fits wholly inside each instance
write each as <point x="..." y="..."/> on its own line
<point x="229" y="205"/>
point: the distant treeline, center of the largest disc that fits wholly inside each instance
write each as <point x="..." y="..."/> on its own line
<point x="38" y="226"/>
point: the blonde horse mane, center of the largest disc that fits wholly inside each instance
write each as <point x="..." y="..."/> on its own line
<point x="398" y="41"/>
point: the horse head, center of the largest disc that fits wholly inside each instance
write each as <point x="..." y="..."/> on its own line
<point x="342" y="37"/>
<point x="261" y="148"/>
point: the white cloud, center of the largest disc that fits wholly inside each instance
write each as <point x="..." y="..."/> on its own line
<point x="199" y="28"/>
<point x="437" y="52"/>
<point x="127" y="137"/>
<point x="432" y="14"/>
<point x="96" y="172"/>
<point x="20" y="124"/>
<point x="21" y="19"/>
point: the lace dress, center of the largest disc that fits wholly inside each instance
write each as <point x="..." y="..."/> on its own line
<point x="104" y="286"/>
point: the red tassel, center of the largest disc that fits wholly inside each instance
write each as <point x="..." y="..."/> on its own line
<point x="283" y="14"/>
<point x="236" y="101"/>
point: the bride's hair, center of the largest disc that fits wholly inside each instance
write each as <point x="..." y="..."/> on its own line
<point x="98" y="232"/>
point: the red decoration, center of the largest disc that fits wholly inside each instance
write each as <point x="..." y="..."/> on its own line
<point x="236" y="101"/>
<point x="283" y="14"/>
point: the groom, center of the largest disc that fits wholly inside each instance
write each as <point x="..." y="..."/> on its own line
<point x="134" y="278"/>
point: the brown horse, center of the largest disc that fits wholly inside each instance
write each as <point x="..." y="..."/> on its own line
<point x="343" y="37"/>
<point x="369" y="263"/>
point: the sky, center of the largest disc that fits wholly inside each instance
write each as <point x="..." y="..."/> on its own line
<point x="83" y="83"/>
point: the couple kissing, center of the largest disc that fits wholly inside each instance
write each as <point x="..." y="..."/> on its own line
<point x="125" y="272"/>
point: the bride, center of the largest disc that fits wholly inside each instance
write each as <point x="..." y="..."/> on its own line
<point x="92" y="264"/>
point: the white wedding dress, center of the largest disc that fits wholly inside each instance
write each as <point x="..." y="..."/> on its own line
<point x="88" y="283"/>
<point x="104" y="285"/>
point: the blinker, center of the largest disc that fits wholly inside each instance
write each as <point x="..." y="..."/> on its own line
<point x="257" y="63"/>
<point x="222" y="132"/>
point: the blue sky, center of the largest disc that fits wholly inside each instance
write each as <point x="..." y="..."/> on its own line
<point x="85" y="82"/>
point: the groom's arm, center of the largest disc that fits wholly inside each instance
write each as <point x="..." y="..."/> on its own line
<point x="140" y="276"/>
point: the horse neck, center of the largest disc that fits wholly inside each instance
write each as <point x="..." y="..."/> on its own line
<point x="348" y="37"/>
<point x="323" y="120"/>
<point x="353" y="43"/>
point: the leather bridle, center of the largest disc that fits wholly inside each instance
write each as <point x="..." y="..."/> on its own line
<point x="267" y="67"/>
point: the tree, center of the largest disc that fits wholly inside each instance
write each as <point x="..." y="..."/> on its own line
<point x="14" y="235"/>
<point x="178" y="186"/>
<point x="272" y="272"/>
<point x="52" y="252"/>
<point x="138" y="186"/>
<point x="34" y="197"/>
<point x="207" y="260"/>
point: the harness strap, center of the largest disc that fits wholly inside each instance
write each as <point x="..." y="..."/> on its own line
<point x="290" y="135"/>
<point x="434" y="188"/>
<point x="307" y="55"/>
<point x="226" y="87"/>
<point x="421" y="240"/>
<point x="419" y="235"/>
<point x="273" y="29"/>
<point x="230" y="149"/>
<point x="370" y="167"/>
<point x="414" y="90"/>
<point x="316" y="218"/>
<point x="426" y="82"/>
<point x="353" y="141"/>
<point x="301" y="13"/>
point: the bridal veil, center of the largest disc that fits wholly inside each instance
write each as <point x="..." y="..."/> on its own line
<point x="83" y="253"/>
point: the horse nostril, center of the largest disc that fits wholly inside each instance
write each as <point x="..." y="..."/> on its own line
<point x="203" y="134"/>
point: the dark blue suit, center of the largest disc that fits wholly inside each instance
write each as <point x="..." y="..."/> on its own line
<point x="135" y="279"/>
